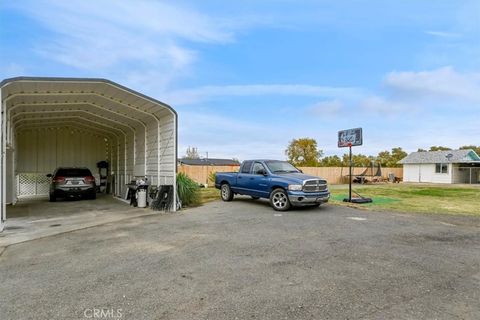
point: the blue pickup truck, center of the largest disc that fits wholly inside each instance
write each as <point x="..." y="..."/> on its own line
<point x="279" y="181"/>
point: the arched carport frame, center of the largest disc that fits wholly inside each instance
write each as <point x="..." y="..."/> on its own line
<point x="142" y="131"/>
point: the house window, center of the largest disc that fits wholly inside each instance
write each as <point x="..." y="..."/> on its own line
<point x="441" y="168"/>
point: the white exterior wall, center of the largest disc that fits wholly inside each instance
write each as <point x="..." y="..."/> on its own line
<point x="40" y="151"/>
<point x="411" y="173"/>
<point x="425" y="173"/>
<point x="161" y="155"/>
<point x="167" y="150"/>
<point x="43" y="150"/>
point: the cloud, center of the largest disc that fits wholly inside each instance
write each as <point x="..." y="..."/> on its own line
<point x="108" y="36"/>
<point x="194" y="95"/>
<point x="443" y="84"/>
<point x="227" y="137"/>
<point x="327" y="108"/>
<point x="12" y="69"/>
<point x="443" y="34"/>
<point x="379" y="105"/>
<point x="409" y="93"/>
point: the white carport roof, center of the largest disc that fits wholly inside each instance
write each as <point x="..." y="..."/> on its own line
<point x="100" y="102"/>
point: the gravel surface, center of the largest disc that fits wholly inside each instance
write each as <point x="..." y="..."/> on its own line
<point x="242" y="260"/>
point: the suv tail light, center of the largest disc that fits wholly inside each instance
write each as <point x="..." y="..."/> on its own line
<point x="89" y="179"/>
<point x="58" y="179"/>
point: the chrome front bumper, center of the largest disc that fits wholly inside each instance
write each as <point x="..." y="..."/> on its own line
<point x="308" y="199"/>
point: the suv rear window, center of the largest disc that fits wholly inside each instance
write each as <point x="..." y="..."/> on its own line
<point x="73" y="172"/>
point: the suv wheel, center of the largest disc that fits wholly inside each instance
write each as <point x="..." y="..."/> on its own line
<point x="279" y="200"/>
<point x="52" y="197"/>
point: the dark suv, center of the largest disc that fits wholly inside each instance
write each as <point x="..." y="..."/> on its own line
<point x="71" y="182"/>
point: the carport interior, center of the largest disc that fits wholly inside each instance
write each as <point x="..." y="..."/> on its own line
<point x="52" y="122"/>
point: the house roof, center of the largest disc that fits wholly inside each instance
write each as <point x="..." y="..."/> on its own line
<point x="449" y="156"/>
<point x="209" y="162"/>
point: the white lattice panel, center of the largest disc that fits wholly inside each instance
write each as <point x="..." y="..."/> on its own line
<point x="32" y="184"/>
<point x="43" y="184"/>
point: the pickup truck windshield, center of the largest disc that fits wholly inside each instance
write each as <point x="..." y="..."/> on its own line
<point x="280" y="167"/>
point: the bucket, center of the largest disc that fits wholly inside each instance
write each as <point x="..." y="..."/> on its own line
<point x="142" y="198"/>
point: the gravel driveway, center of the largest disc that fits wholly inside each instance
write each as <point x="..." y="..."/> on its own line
<point x="242" y="260"/>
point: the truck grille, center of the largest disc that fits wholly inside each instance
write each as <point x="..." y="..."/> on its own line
<point x="315" y="186"/>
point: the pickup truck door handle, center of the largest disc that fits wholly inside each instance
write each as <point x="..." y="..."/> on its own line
<point x="252" y="178"/>
<point x="239" y="177"/>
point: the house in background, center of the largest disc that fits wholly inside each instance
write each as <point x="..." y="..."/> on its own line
<point x="452" y="166"/>
<point x="208" y="162"/>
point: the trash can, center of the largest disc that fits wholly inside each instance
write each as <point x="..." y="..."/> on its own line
<point x="391" y="177"/>
<point x="142" y="198"/>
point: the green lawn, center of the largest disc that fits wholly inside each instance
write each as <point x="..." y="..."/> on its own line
<point x="209" y="194"/>
<point x="400" y="197"/>
<point x="414" y="198"/>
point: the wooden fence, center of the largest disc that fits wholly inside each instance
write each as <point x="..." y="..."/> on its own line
<point x="338" y="175"/>
<point x="201" y="173"/>
<point x="334" y="175"/>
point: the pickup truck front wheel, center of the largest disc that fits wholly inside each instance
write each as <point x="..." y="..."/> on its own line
<point x="226" y="192"/>
<point x="279" y="200"/>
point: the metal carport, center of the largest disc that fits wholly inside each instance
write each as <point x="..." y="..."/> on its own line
<point x="51" y="122"/>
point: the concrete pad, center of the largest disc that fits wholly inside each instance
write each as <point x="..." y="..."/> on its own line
<point x="34" y="219"/>
<point x="242" y="260"/>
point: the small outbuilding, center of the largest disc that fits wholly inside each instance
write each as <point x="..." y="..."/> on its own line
<point x="452" y="166"/>
<point x="51" y="122"/>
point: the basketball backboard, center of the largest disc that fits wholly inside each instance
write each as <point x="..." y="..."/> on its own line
<point x="350" y="137"/>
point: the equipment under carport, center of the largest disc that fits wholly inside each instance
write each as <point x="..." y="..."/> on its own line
<point x="164" y="199"/>
<point x="137" y="193"/>
<point x="103" y="173"/>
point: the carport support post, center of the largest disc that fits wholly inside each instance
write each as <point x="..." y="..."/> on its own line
<point x="3" y="162"/>
<point x="350" y="175"/>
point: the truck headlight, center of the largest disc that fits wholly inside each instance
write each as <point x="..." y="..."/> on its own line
<point x="295" y="187"/>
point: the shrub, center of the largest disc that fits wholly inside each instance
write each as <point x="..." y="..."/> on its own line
<point x="188" y="190"/>
<point x="211" y="177"/>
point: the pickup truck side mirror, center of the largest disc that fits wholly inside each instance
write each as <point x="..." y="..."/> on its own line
<point x="49" y="175"/>
<point x="301" y="171"/>
<point x="263" y="172"/>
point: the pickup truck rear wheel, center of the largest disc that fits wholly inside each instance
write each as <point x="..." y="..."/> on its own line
<point x="226" y="192"/>
<point x="279" y="200"/>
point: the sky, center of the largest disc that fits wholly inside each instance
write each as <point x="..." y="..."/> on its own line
<point x="246" y="77"/>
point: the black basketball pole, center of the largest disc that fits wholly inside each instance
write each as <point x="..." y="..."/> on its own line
<point x="350" y="175"/>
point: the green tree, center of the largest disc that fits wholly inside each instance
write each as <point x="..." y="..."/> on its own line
<point x="474" y="148"/>
<point x="421" y="150"/>
<point x="397" y="155"/>
<point x="390" y="159"/>
<point x="359" y="160"/>
<point x="384" y="157"/>
<point x="331" y="161"/>
<point x="439" y="148"/>
<point x="303" y="152"/>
